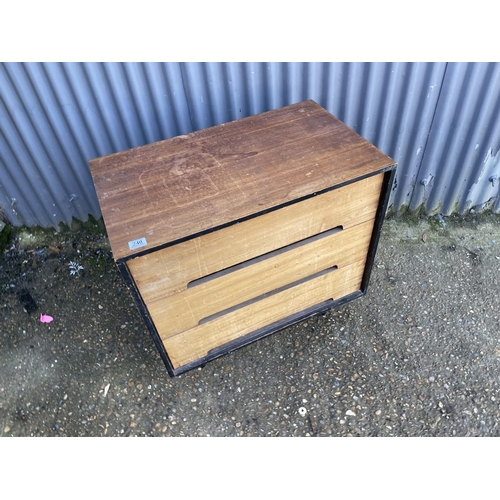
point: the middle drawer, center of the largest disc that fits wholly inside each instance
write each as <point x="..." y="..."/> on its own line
<point x="168" y="271"/>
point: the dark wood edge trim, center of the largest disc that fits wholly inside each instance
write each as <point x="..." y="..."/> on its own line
<point x="379" y="220"/>
<point x="129" y="280"/>
<point x="252" y="337"/>
<point x="385" y="170"/>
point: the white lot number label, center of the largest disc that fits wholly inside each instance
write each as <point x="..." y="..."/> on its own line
<point x="141" y="242"/>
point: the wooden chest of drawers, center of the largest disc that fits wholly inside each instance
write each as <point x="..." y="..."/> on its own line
<point x="231" y="233"/>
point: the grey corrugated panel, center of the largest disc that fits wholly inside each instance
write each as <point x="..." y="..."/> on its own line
<point x="43" y="177"/>
<point x="222" y="92"/>
<point x="54" y="117"/>
<point x="170" y="105"/>
<point x="204" y="85"/>
<point x="14" y="185"/>
<point x="405" y="138"/>
<point x="455" y="171"/>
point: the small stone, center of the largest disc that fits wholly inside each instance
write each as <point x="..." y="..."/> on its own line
<point x="350" y="413"/>
<point x="6" y="429"/>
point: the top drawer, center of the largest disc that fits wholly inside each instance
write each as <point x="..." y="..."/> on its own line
<point x="170" y="270"/>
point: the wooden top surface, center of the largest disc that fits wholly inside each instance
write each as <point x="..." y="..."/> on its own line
<point x="171" y="189"/>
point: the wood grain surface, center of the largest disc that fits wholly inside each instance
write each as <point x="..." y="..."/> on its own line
<point x="171" y="189"/>
<point x="184" y="310"/>
<point x="159" y="274"/>
<point x="197" y="342"/>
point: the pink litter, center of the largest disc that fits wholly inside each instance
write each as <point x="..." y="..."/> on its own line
<point x="45" y="319"/>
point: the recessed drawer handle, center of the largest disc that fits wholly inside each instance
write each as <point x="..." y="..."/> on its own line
<point x="267" y="294"/>
<point x="265" y="256"/>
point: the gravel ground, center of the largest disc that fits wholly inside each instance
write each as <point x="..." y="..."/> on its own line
<point x="419" y="355"/>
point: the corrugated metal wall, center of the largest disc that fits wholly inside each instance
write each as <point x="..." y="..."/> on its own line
<point x="461" y="164"/>
<point x="439" y="121"/>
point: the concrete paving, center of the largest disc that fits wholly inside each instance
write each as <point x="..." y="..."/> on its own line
<point x="419" y="355"/>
